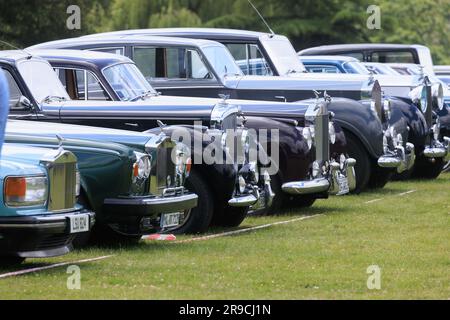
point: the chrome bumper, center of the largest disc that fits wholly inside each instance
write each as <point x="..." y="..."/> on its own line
<point x="438" y="149"/>
<point x="243" y="201"/>
<point x="330" y="184"/>
<point x="402" y="158"/>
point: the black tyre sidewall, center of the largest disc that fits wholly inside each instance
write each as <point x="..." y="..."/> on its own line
<point x="363" y="167"/>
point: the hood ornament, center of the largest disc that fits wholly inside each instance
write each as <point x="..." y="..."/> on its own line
<point x="326" y="96"/>
<point x="224" y="97"/>
<point x="60" y="141"/>
<point x="161" y="124"/>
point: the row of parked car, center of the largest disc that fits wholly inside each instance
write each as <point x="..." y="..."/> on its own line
<point x="122" y="124"/>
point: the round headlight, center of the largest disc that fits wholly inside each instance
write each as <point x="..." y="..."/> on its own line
<point x="307" y="135"/>
<point x="423" y="100"/>
<point x="438" y="96"/>
<point x="332" y="132"/>
<point x="142" y="167"/>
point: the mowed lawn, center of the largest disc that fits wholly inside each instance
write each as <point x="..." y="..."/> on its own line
<point x="407" y="235"/>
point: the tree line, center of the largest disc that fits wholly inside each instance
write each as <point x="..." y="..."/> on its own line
<point x="306" y="22"/>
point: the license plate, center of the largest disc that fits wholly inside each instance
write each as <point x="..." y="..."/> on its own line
<point x="343" y="184"/>
<point x="79" y="223"/>
<point x="170" y="220"/>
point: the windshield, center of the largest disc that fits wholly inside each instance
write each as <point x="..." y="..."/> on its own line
<point x="355" y="67"/>
<point x="42" y="80"/>
<point x="222" y="61"/>
<point x="283" y="55"/>
<point x="127" y="81"/>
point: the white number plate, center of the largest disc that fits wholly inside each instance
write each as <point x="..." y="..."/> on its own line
<point x="170" y="220"/>
<point x="343" y="185"/>
<point x="79" y="223"/>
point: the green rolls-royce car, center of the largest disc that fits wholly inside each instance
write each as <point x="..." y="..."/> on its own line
<point x="39" y="212"/>
<point x="131" y="183"/>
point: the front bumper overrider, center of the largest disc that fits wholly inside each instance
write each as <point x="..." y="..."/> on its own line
<point x="330" y="183"/>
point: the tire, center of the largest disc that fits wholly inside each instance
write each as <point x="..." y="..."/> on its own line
<point x="10" y="261"/>
<point x="363" y="167"/>
<point x="199" y="219"/>
<point x="425" y="169"/>
<point x="232" y="217"/>
<point x="379" y="177"/>
<point x="300" y="202"/>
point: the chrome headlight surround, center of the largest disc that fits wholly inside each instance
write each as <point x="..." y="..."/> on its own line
<point x="26" y="191"/>
<point x="419" y="96"/>
<point x="307" y="134"/>
<point x="436" y="129"/>
<point x="437" y="92"/>
<point x="332" y="132"/>
<point x="142" y="166"/>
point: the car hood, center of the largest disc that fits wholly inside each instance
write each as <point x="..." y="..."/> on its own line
<point x="18" y="159"/>
<point x="299" y="81"/>
<point x="132" y="139"/>
<point x="171" y="107"/>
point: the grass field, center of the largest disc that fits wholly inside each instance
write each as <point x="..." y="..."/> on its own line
<point x="325" y="257"/>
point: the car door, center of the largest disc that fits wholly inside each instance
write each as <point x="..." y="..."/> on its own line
<point x="177" y="71"/>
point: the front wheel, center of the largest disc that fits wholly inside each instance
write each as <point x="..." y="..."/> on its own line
<point x="425" y="169"/>
<point x="10" y="261"/>
<point x="379" y="177"/>
<point x="198" y="219"/>
<point x="363" y="167"/>
<point x="232" y="217"/>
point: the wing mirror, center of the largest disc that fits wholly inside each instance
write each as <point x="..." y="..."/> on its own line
<point x="24" y="103"/>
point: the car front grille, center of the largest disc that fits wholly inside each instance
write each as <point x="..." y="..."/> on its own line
<point x="61" y="166"/>
<point x="163" y="174"/>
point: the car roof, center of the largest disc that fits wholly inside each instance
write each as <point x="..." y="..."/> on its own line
<point x="100" y="59"/>
<point x="358" y="47"/>
<point x="12" y="56"/>
<point x="102" y="39"/>
<point x="329" y="58"/>
<point x="218" y="32"/>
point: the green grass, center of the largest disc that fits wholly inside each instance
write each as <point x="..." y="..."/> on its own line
<point x="326" y="257"/>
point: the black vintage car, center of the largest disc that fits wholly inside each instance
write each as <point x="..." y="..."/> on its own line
<point x="114" y="73"/>
<point x="204" y="68"/>
<point x="37" y="94"/>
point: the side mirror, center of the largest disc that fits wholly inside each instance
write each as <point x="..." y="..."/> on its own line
<point x="24" y="103"/>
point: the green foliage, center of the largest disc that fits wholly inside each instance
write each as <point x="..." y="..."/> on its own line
<point x="307" y="22"/>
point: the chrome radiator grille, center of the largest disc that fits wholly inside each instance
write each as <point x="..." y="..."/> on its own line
<point x="163" y="174"/>
<point x="62" y="180"/>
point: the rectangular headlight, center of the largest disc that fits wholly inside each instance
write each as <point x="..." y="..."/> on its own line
<point x="25" y="191"/>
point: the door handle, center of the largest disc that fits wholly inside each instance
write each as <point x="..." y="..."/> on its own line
<point x="282" y="98"/>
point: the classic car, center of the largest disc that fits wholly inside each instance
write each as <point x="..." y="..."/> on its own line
<point x="40" y="215"/>
<point x="37" y="94"/>
<point x="399" y="81"/>
<point x="122" y="184"/>
<point x="378" y="52"/>
<point x="443" y="73"/>
<point x="114" y="72"/>
<point x="215" y="72"/>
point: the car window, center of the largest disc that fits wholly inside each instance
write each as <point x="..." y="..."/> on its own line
<point x="119" y="51"/>
<point x="73" y="81"/>
<point x="322" y="69"/>
<point x="393" y="57"/>
<point x="14" y="91"/>
<point x="170" y="63"/>
<point x="249" y="58"/>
